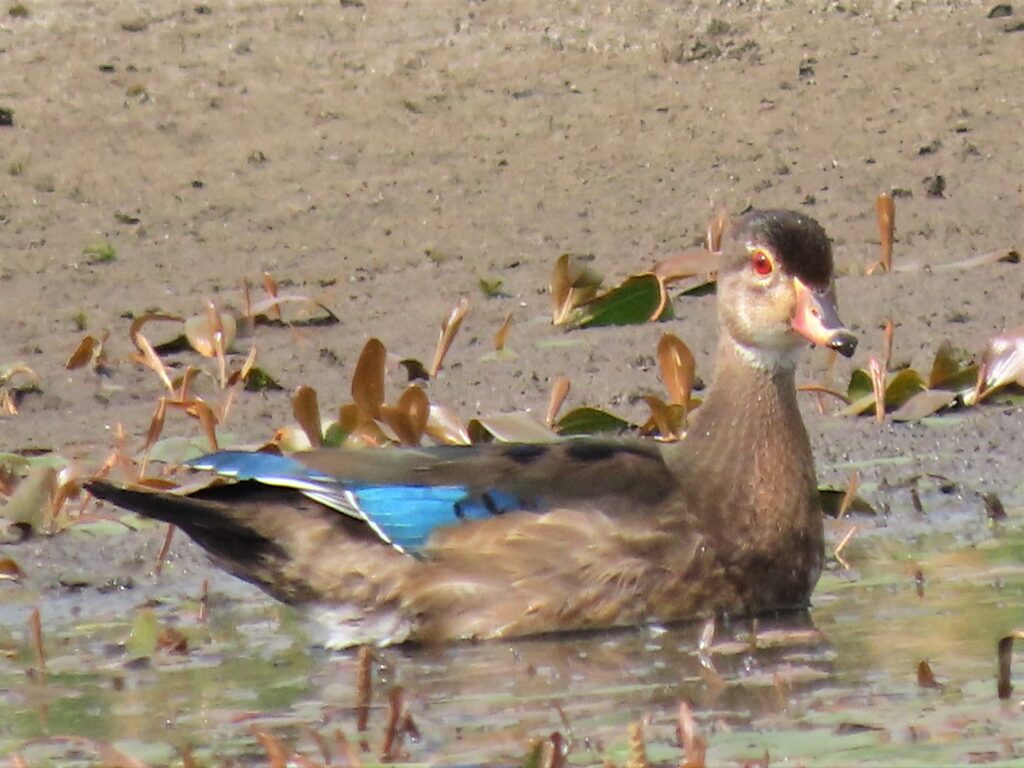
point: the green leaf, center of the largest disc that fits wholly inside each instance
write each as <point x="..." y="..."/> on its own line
<point x="145" y="629"/>
<point x="335" y="435"/>
<point x="589" y="421"/>
<point x="859" y="386"/>
<point x="904" y="386"/>
<point x="638" y="300"/>
<point x="832" y="499"/>
<point x="492" y="287"/>
<point x="259" y="380"/>
<point x="706" y="288"/>
<point x="924" y="403"/>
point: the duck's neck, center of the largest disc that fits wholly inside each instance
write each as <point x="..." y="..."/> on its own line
<point x="747" y="447"/>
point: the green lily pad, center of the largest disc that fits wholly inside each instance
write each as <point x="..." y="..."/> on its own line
<point x="640" y="299"/>
<point x="589" y="421"/>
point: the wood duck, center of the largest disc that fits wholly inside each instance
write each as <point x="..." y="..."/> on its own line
<point x="445" y="543"/>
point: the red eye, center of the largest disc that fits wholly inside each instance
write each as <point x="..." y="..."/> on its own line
<point x="761" y="261"/>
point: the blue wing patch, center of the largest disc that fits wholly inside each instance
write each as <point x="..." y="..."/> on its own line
<point x="408" y="514"/>
<point x="401" y="515"/>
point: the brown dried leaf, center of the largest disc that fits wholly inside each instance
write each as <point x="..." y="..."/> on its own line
<point x="416" y="407"/>
<point x="667" y="419"/>
<point x="368" y="379"/>
<point x="926" y="678"/>
<point x="10" y="570"/>
<point x="445" y="426"/>
<point x="1002" y="363"/>
<point x="449" y="327"/>
<point x="877" y="373"/>
<point x="270" y="286"/>
<point x="518" y="427"/>
<point x="885" y="211"/>
<point x="677" y="366"/>
<point x="716" y="230"/>
<point x="190" y="374"/>
<point x="1004" y="684"/>
<point x="268" y="307"/>
<point x="923" y="404"/>
<point x="637" y="746"/>
<point x="156" y="426"/>
<point x="211" y="334"/>
<point x="690" y="263"/>
<point x="32" y="498"/>
<point x="852" y="486"/>
<point x="559" y="391"/>
<point x="151" y="360"/>
<point x="136" y="327"/>
<point x="501" y="337"/>
<point x="572" y="283"/>
<point x="306" y="409"/>
<point x="83" y="353"/>
<point x="277" y="753"/>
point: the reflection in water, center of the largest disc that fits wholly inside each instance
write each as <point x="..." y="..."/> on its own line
<point x="493" y="696"/>
<point x="839" y="691"/>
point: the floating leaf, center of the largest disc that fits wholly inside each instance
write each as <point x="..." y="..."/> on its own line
<point x="924" y="403"/>
<point x="716" y="231"/>
<point x="83" y="354"/>
<point x="144" y="633"/>
<point x="10" y="391"/>
<point x="408" y="419"/>
<point x="999" y="256"/>
<point x="267" y="312"/>
<point x="833" y="499"/>
<point x="691" y="263"/>
<point x="885" y="212"/>
<point x="589" y="421"/>
<point x="668" y="420"/>
<point x="559" y="391"/>
<point x="444" y="426"/>
<point x="10" y="570"/>
<point x="270" y="286"/>
<point x="368" y="379"/>
<point x="501" y="337"/>
<point x="640" y="299"/>
<point x="32" y="498"/>
<point x="212" y="333"/>
<point x="518" y="427"/>
<point x="903" y="386"/>
<point x="491" y="287"/>
<point x="948" y="371"/>
<point x="573" y="282"/>
<point x="869" y="388"/>
<point x="1004" y="684"/>
<point x="1002" y="363"/>
<point x="306" y="408"/>
<point x="415" y="405"/>
<point x="359" y="426"/>
<point x="449" y="327"/>
<point x="258" y="380"/>
<point x="677" y="367"/>
<point x="706" y="288"/>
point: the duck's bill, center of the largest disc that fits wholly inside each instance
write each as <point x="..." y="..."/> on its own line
<point x="817" y="319"/>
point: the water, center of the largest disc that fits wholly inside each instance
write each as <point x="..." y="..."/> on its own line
<point x="836" y="687"/>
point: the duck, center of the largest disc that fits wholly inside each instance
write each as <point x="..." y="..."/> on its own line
<point x="451" y="543"/>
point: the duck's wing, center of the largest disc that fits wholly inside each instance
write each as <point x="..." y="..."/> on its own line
<point x="403" y="495"/>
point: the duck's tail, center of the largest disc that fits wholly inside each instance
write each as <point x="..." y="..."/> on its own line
<point x="262" y="534"/>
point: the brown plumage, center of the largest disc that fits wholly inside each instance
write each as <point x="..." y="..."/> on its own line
<point x="608" y="534"/>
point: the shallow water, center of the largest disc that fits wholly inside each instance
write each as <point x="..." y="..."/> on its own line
<point x="837" y="687"/>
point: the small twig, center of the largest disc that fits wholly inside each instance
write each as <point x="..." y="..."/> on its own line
<point x="842" y="545"/>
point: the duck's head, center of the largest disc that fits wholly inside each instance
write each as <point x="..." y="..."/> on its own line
<point x="776" y="288"/>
